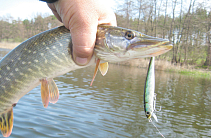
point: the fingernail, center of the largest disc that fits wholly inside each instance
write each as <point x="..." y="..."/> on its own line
<point x="81" y="61"/>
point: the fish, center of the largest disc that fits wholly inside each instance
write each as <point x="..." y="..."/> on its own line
<point x="150" y="95"/>
<point x="47" y="55"/>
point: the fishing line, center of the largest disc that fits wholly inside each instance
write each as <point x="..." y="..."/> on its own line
<point x="150" y="120"/>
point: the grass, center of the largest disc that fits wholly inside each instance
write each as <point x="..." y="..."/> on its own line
<point x="196" y="73"/>
<point x="190" y="70"/>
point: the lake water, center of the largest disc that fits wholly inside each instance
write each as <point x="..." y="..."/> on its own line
<point x="113" y="106"/>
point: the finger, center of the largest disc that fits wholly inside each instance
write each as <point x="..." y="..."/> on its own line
<point x="84" y="34"/>
<point x="82" y="23"/>
<point x="83" y="38"/>
<point x="81" y="18"/>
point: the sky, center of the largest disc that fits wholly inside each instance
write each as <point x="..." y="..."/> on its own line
<point x="28" y="9"/>
<point x="25" y="9"/>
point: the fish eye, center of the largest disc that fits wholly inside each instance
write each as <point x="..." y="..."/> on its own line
<point x="129" y="35"/>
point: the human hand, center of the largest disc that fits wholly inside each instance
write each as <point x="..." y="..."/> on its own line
<point x="81" y="17"/>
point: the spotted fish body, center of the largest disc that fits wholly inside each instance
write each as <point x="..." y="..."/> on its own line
<point x="43" y="56"/>
<point x="49" y="54"/>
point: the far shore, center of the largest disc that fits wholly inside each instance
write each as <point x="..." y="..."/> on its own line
<point x="144" y="62"/>
<point x="8" y="45"/>
<point x="165" y="65"/>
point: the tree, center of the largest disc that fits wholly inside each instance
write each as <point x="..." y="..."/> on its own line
<point x="208" y="40"/>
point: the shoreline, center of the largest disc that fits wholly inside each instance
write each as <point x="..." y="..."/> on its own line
<point x="163" y="65"/>
<point x="8" y="45"/>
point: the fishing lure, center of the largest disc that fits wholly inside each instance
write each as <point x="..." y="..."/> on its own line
<point x="150" y="95"/>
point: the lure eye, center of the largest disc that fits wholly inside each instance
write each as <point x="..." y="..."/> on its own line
<point x="147" y="113"/>
<point x="129" y="35"/>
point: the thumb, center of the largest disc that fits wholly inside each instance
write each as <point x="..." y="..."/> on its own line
<point x="83" y="38"/>
<point x="81" y="17"/>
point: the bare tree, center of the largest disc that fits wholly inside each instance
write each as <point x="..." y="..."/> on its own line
<point x="208" y="40"/>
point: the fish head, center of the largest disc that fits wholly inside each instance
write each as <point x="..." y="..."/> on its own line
<point x="115" y="44"/>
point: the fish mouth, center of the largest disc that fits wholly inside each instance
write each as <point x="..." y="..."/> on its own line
<point x="151" y="45"/>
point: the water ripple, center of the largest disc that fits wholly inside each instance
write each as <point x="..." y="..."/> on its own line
<point x="113" y="107"/>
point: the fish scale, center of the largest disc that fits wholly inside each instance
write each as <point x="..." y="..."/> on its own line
<point x="49" y="54"/>
<point x="10" y="64"/>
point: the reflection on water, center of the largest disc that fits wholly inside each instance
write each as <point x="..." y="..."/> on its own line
<point x="113" y="106"/>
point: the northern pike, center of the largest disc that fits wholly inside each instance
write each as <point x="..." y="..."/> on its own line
<point x="49" y="54"/>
